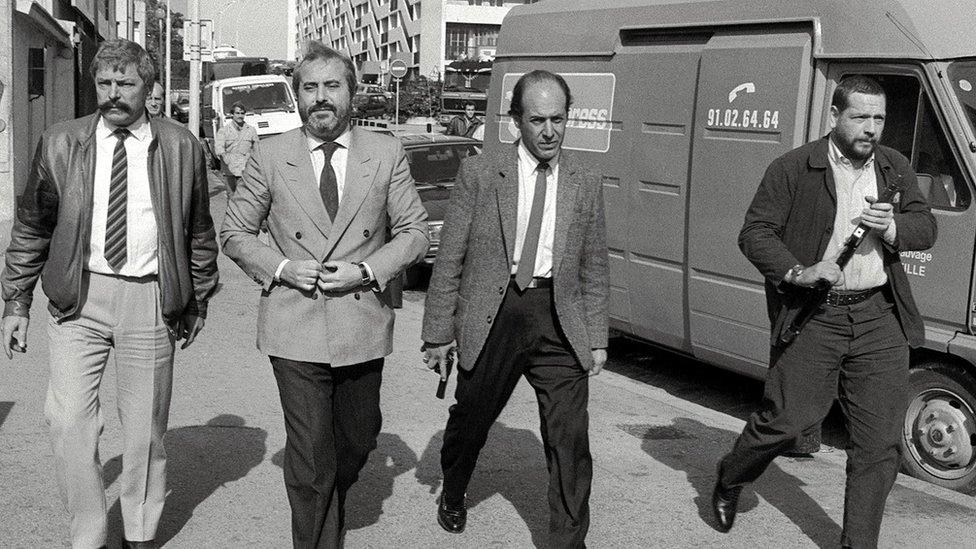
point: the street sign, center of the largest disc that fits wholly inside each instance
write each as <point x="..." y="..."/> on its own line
<point x="206" y="40"/>
<point x="398" y="68"/>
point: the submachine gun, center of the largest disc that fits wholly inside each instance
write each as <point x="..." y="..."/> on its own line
<point x="818" y="293"/>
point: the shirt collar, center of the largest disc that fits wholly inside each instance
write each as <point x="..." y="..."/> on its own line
<point x="140" y="129"/>
<point x="528" y="162"/>
<point x="837" y="158"/>
<point x="314" y="142"/>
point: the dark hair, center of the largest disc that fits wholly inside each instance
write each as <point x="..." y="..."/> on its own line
<point x="857" y="83"/>
<point x="117" y="54"/>
<point x="238" y="105"/>
<point x="470" y="103"/>
<point x="535" y="77"/>
<point x="317" y="51"/>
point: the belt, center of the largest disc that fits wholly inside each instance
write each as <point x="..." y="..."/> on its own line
<point x="850" y="297"/>
<point x="537" y="282"/>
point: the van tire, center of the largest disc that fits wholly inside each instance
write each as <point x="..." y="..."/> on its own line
<point x="938" y="440"/>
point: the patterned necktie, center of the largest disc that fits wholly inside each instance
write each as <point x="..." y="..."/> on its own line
<point x="328" y="186"/>
<point x="526" y="265"/>
<point x="115" y="247"/>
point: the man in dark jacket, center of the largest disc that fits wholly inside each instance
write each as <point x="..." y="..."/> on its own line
<point x="466" y="124"/>
<point x="115" y="220"/>
<point x="855" y="347"/>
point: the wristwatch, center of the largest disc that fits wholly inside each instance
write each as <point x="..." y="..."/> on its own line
<point x="794" y="273"/>
<point x="366" y="280"/>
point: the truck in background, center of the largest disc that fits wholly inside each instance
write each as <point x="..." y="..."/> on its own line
<point x="680" y="105"/>
<point x="464" y="81"/>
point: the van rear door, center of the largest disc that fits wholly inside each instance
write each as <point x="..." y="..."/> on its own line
<point x="752" y="107"/>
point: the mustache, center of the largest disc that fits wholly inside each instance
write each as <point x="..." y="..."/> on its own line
<point x="324" y="107"/>
<point x="122" y="106"/>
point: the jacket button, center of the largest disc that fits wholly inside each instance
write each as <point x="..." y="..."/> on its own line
<point x="488" y="319"/>
<point x="829" y="230"/>
<point x="315" y="296"/>
<point x="298" y="235"/>
<point x="356" y="296"/>
<point x="501" y="289"/>
<point x="366" y="233"/>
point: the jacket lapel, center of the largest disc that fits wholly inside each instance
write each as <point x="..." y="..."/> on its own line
<point x="506" y="192"/>
<point x="302" y="181"/>
<point x="818" y="160"/>
<point x="360" y="176"/>
<point x="567" y="188"/>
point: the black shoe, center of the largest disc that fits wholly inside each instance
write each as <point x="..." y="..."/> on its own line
<point x="148" y="544"/>
<point x="452" y="518"/>
<point x="724" y="505"/>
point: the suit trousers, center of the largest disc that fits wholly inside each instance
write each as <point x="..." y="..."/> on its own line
<point x="124" y="314"/>
<point x="858" y="354"/>
<point x="526" y="340"/>
<point x="332" y="419"/>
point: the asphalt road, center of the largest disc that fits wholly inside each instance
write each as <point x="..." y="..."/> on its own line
<point x="659" y="423"/>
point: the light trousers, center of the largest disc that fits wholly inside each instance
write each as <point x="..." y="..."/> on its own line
<point x="121" y="314"/>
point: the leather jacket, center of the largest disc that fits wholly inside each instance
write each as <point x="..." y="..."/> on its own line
<point x="52" y="229"/>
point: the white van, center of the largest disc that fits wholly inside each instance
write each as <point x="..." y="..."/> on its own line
<point x="269" y="99"/>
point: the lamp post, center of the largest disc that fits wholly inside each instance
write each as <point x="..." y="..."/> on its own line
<point x="161" y="17"/>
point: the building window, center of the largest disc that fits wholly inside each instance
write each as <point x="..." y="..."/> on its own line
<point x="466" y="41"/>
<point x="35" y="73"/>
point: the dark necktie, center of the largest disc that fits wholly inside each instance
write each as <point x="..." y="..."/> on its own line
<point x="115" y="247"/>
<point x="526" y="265"/>
<point x="328" y="186"/>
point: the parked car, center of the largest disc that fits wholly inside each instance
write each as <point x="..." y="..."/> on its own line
<point x="434" y="163"/>
<point x="369" y="105"/>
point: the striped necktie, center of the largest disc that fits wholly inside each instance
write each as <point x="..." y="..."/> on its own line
<point x="526" y="264"/>
<point x="328" y="185"/>
<point x="115" y="247"/>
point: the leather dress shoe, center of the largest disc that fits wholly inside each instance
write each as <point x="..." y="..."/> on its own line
<point x="725" y="503"/>
<point x="452" y="518"/>
<point x="148" y="544"/>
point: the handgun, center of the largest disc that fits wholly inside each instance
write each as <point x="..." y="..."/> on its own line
<point x="442" y="384"/>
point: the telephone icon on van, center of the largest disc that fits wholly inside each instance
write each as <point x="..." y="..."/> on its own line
<point x="748" y="87"/>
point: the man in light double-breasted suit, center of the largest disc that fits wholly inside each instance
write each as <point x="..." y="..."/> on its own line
<point x="520" y="287"/>
<point x="344" y="219"/>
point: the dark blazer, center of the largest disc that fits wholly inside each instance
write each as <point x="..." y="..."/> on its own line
<point x="473" y="266"/>
<point x="52" y="230"/>
<point x="791" y="219"/>
<point x="380" y="221"/>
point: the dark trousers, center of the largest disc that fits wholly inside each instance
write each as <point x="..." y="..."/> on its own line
<point x="332" y="419"/>
<point x="859" y="354"/>
<point x="526" y="340"/>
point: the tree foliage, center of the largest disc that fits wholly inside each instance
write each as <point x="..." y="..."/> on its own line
<point x="157" y="47"/>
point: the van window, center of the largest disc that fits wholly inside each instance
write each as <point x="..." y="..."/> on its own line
<point x="258" y="98"/>
<point x="438" y="163"/>
<point x="912" y="128"/>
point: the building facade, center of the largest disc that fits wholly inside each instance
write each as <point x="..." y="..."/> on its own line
<point x="46" y="48"/>
<point x="425" y="34"/>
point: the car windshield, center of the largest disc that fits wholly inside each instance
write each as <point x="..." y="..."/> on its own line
<point x="438" y="163"/>
<point x="454" y="81"/>
<point x="258" y="98"/>
<point x="962" y="78"/>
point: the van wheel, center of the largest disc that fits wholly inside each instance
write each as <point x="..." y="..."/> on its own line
<point x="939" y="435"/>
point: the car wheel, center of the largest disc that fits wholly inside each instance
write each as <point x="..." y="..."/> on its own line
<point x="939" y="436"/>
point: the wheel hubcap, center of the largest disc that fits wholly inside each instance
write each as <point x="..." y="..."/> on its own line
<point x="942" y="433"/>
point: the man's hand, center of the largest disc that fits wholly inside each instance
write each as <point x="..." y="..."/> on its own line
<point x="338" y="276"/>
<point x="437" y="357"/>
<point x="599" y="361"/>
<point x="303" y="274"/>
<point x="14" y="330"/>
<point x="188" y="327"/>
<point x="878" y="215"/>
<point x="825" y="270"/>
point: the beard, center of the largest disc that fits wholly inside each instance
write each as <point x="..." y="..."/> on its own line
<point x="324" y="126"/>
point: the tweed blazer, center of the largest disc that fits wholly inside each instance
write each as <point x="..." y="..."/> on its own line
<point x="380" y="221"/>
<point x="474" y="261"/>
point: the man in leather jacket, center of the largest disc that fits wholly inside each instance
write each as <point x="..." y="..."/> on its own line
<point x="115" y="221"/>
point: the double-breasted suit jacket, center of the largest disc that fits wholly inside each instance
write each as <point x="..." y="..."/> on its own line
<point x="474" y="262"/>
<point x="380" y="221"/>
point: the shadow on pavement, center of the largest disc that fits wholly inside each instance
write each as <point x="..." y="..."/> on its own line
<point x="512" y="464"/>
<point x="695" y="448"/>
<point x="199" y="460"/>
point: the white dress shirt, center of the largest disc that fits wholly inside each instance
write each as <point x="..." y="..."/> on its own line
<point x="339" y="158"/>
<point x="140" y="223"/>
<point x="865" y="270"/>
<point x="526" y="179"/>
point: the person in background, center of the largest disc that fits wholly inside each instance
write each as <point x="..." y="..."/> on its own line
<point x="154" y="101"/>
<point x="464" y="125"/>
<point x="234" y="144"/>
